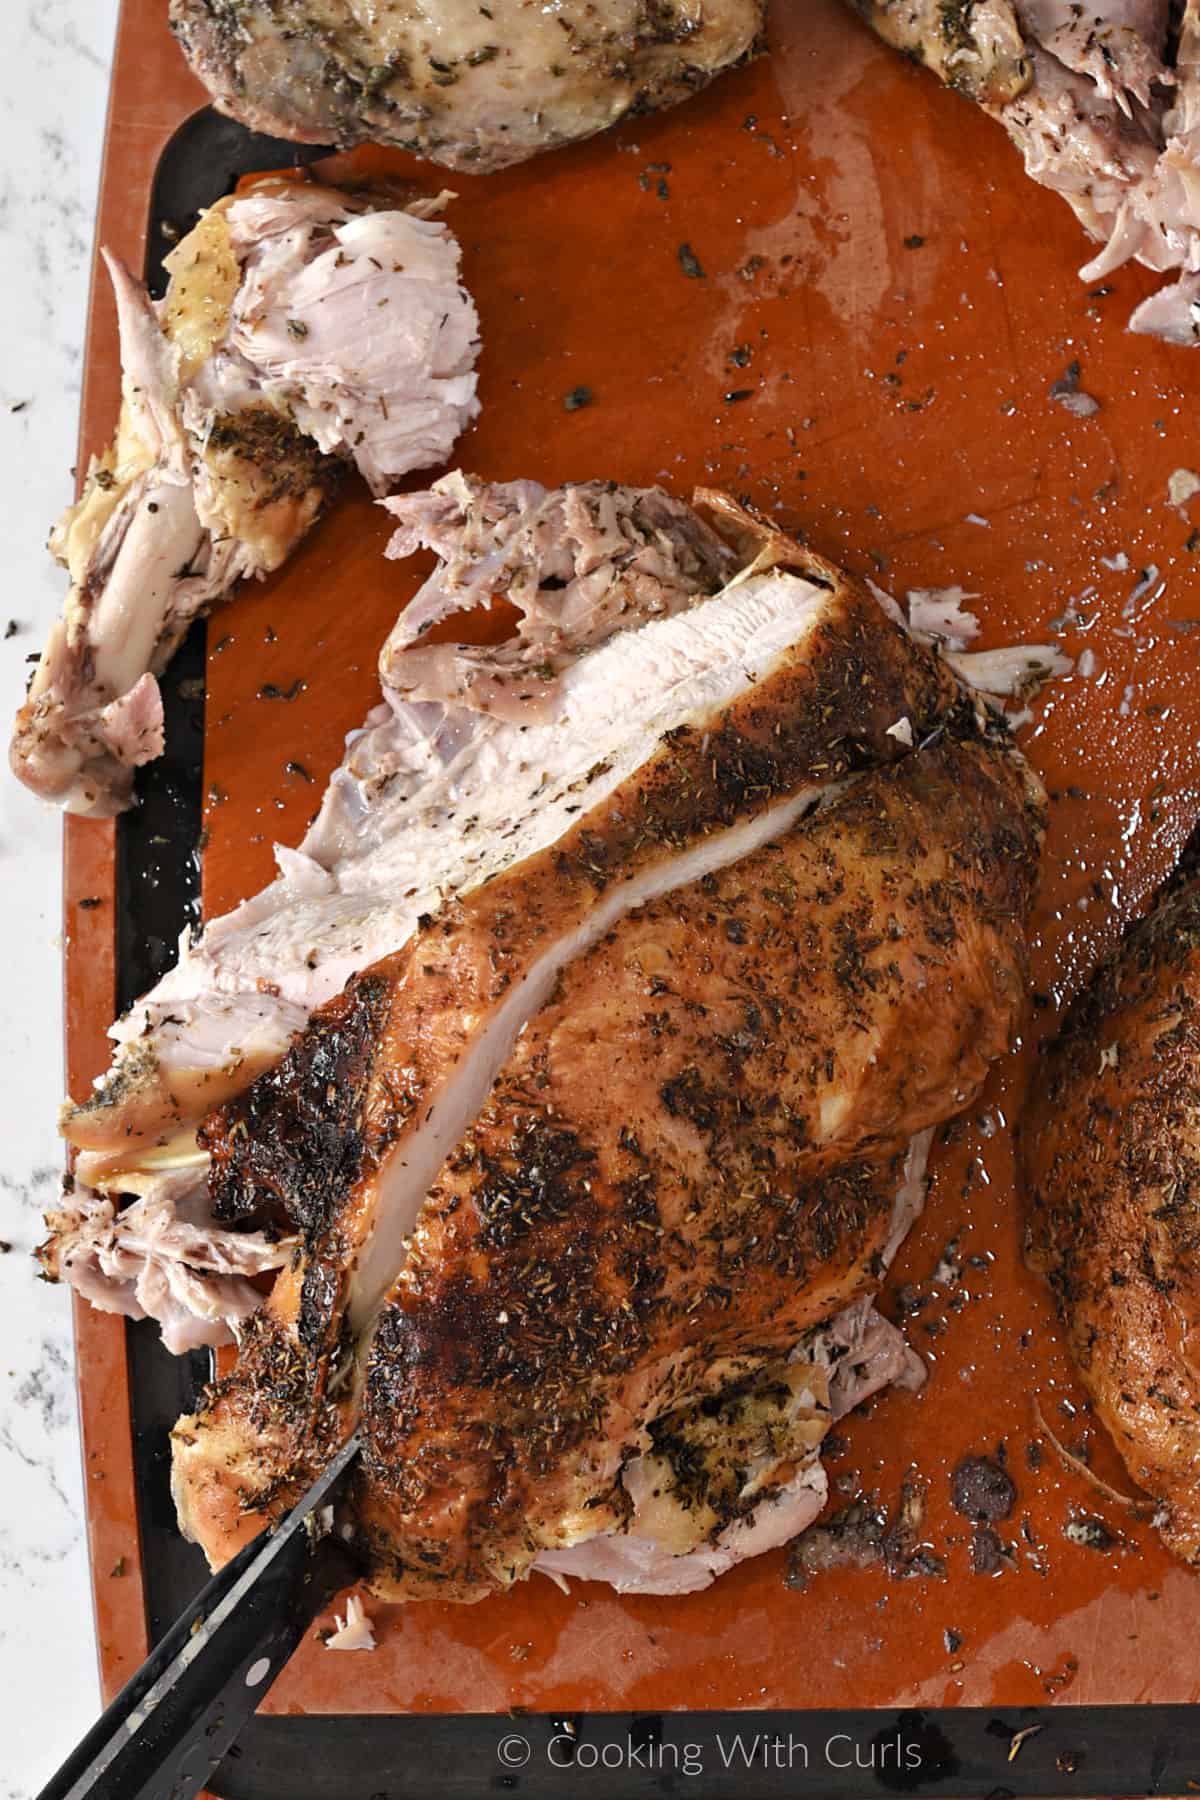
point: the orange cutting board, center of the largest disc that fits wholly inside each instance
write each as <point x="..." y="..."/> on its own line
<point x="825" y="285"/>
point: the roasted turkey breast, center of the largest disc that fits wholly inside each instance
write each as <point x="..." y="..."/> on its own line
<point x="1112" y="1162"/>
<point x="660" y="666"/>
<point x="690" y="1159"/>
<point x="434" y="1023"/>
<point x="473" y="87"/>
<point x="618" y="1171"/>
<point x="577" y="1073"/>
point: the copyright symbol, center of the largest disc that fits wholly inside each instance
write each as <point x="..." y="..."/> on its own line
<point x="513" y="1752"/>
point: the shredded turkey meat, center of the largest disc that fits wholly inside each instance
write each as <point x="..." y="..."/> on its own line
<point x="303" y="330"/>
<point x="353" y="1629"/>
<point x="1103" y="101"/>
<point x="162" y="1257"/>
<point x="578" y="564"/>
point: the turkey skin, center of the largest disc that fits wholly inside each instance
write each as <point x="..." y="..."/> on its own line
<point x="472" y="87"/>
<point x="1112" y="1163"/>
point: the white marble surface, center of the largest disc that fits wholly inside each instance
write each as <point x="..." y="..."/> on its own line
<point x="53" y="88"/>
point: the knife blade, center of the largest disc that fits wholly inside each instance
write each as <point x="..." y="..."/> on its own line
<point x="175" y="1721"/>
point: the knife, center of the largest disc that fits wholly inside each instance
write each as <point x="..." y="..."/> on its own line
<point x="177" y="1718"/>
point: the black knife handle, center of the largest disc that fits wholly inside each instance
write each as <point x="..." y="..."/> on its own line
<point x="166" y="1748"/>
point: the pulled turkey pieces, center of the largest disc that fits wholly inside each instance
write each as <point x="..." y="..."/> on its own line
<point x="1112" y="1162"/>
<point x="473" y="87"/>
<point x="302" y="330"/>
<point x="594" y="1174"/>
<point x="1103" y="101"/>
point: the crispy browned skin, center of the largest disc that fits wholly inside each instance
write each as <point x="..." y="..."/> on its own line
<point x="692" y="1153"/>
<point x="273" y="1419"/>
<point x="270" y="482"/>
<point x="397" y="1034"/>
<point x="1112" y="1162"/>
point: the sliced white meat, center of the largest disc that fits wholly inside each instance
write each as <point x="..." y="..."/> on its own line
<point x="405" y="1175"/>
<point x="437" y="798"/>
